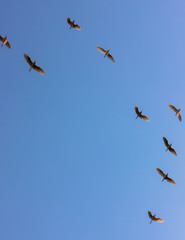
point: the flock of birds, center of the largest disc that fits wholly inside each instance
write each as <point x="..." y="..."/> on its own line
<point x="138" y="113"/>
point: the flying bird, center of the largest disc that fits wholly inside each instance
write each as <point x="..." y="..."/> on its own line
<point x="177" y="111"/>
<point x="169" y="146"/>
<point x="33" y="65"/>
<point x="73" y="25"/>
<point x="106" y="53"/>
<point x="165" y="176"/>
<point x="153" y="218"/>
<point x="5" y="42"/>
<point x="139" y="114"/>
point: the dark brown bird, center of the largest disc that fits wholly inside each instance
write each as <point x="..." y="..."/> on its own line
<point x="106" y="53"/>
<point x="33" y="65"/>
<point x="177" y="111"/>
<point x="169" y="146"/>
<point x="165" y="176"/>
<point x="73" y="25"/>
<point x="5" y="42"/>
<point x="153" y="218"/>
<point x="139" y="114"/>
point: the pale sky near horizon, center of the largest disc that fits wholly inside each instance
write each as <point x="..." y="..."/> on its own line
<point x="75" y="164"/>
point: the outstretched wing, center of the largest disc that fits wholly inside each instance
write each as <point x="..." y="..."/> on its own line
<point x="39" y="70"/>
<point x="136" y="110"/>
<point x="1" y="39"/>
<point x="158" y="220"/>
<point x="8" y="45"/>
<point x="179" y="116"/>
<point x="101" y="50"/>
<point x="160" y="172"/>
<point x="170" y="181"/>
<point x="111" y="58"/>
<point x="172" y="108"/>
<point x="144" y="118"/>
<point x="165" y="142"/>
<point x="77" y="27"/>
<point x="150" y="215"/>
<point x="28" y="59"/>
<point x="172" y="151"/>
<point x="68" y="20"/>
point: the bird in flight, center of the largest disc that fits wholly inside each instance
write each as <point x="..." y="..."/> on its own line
<point x="165" y="176"/>
<point x="177" y="111"/>
<point x="106" y="53"/>
<point x="73" y="25"/>
<point x="139" y="114"/>
<point x="153" y="218"/>
<point x="33" y="65"/>
<point x="169" y="146"/>
<point x="5" y="42"/>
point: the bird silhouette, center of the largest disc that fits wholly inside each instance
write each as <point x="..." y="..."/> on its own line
<point x="165" y="176"/>
<point x="139" y="114"/>
<point x="5" y="42"/>
<point x="33" y="65"/>
<point x="106" y="53"/>
<point x="153" y="218"/>
<point x="73" y="25"/>
<point x="169" y="146"/>
<point x="177" y="111"/>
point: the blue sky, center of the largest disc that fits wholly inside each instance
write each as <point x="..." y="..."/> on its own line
<point x="75" y="164"/>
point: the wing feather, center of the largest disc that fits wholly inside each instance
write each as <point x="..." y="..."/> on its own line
<point x="1" y="39"/>
<point x="172" y="151"/>
<point x="150" y="215"/>
<point x="101" y="50"/>
<point x="165" y="142"/>
<point x="8" y="45"/>
<point x="179" y="116"/>
<point x="77" y="27"/>
<point x="172" y="108"/>
<point x="111" y="58"/>
<point x="160" y="172"/>
<point x="170" y="181"/>
<point x="144" y="118"/>
<point x="158" y="220"/>
<point x="39" y="70"/>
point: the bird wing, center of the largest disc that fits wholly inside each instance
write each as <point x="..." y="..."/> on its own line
<point x="172" y="151"/>
<point x="28" y="59"/>
<point x="160" y="172"/>
<point x="101" y="50"/>
<point x="172" y="108"/>
<point x="1" y="39"/>
<point x="8" y="45"/>
<point x="77" y="27"/>
<point x="38" y="69"/>
<point x="144" y="118"/>
<point x="136" y="110"/>
<point x="150" y="215"/>
<point x="170" y="181"/>
<point x="179" y="116"/>
<point x="68" y="20"/>
<point x="111" y="58"/>
<point x="165" y="142"/>
<point x="158" y="220"/>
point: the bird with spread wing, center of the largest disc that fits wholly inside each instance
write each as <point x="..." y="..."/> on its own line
<point x="106" y="53"/>
<point x="165" y="176"/>
<point x="153" y="218"/>
<point x="73" y="25"/>
<point x="5" y="42"/>
<point x="139" y="114"/>
<point x="169" y="146"/>
<point x="177" y="111"/>
<point x="33" y="65"/>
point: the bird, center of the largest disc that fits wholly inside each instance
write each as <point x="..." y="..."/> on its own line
<point x="73" y="25"/>
<point x="139" y="114"/>
<point x="106" y="53"/>
<point x="165" y="176"/>
<point x="33" y="65"/>
<point x="153" y="218"/>
<point x="177" y="111"/>
<point x="5" y="42"/>
<point x="169" y="146"/>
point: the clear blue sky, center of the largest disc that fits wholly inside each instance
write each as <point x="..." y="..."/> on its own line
<point x="74" y="162"/>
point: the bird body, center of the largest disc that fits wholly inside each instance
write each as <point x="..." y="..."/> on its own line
<point x="139" y="114"/>
<point x="5" y="42"/>
<point x="165" y="176"/>
<point x="169" y="146"/>
<point x="153" y="218"/>
<point x="106" y="53"/>
<point x="33" y="65"/>
<point x="177" y="111"/>
<point x="73" y="25"/>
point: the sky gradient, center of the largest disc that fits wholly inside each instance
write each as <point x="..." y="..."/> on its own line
<point x="75" y="164"/>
